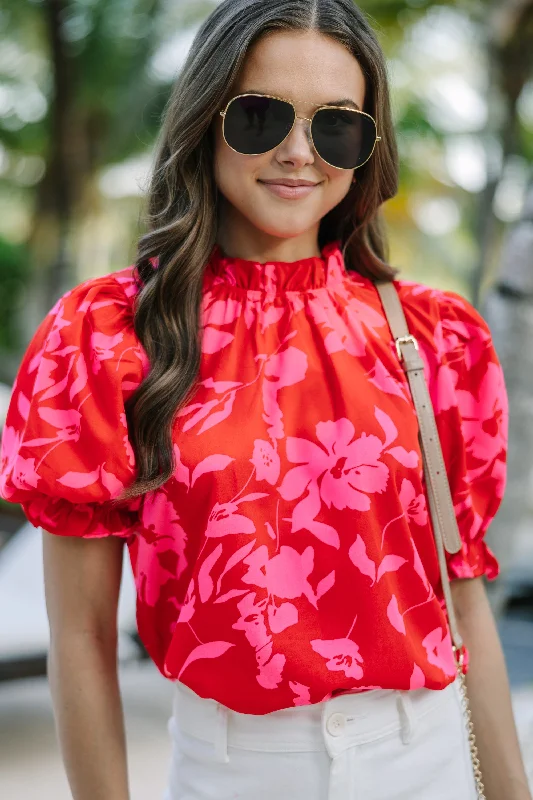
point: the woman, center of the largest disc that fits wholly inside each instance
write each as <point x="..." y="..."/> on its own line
<point x="266" y="474"/>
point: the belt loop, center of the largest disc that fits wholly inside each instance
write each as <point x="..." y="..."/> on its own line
<point x="407" y="716"/>
<point x="221" y="734"/>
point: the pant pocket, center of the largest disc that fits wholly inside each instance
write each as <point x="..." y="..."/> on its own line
<point x="432" y="764"/>
<point x="187" y="746"/>
<point x="196" y="772"/>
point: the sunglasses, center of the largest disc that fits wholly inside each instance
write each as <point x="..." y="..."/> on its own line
<point x="254" y="124"/>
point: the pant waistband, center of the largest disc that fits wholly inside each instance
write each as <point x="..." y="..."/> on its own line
<point x="333" y="725"/>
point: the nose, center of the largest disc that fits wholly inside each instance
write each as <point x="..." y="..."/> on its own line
<point x="298" y="146"/>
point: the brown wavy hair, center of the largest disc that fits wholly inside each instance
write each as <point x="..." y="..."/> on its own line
<point x="183" y="207"/>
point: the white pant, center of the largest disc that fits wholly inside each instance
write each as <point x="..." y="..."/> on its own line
<point x="376" y="745"/>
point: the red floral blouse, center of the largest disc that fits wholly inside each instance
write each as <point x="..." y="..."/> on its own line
<point x="290" y="556"/>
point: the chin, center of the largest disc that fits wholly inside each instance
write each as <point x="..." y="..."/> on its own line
<point x="283" y="232"/>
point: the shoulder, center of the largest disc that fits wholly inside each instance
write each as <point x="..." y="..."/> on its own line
<point x="88" y="332"/>
<point x="98" y="307"/>
<point x="441" y="315"/>
<point x="463" y="368"/>
<point x="105" y="298"/>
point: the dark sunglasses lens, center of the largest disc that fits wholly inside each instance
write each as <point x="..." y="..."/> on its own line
<point x="345" y="138"/>
<point x="254" y="124"/>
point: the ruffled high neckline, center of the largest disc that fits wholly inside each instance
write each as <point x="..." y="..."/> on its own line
<point x="273" y="277"/>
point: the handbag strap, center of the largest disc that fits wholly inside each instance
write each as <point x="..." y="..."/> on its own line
<point x="443" y="517"/>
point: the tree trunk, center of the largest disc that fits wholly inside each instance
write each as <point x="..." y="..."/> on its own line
<point x="49" y="238"/>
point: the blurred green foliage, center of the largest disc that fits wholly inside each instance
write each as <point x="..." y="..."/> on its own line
<point x="83" y="84"/>
<point x="14" y="277"/>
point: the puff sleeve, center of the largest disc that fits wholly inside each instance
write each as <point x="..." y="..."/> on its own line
<point x="65" y="454"/>
<point x="471" y="405"/>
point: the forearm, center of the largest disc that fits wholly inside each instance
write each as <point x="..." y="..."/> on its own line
<point x="490" y="700"/>
<point x="89" y="718"/>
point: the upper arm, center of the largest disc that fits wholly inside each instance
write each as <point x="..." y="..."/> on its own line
<point x="82" y="585"/>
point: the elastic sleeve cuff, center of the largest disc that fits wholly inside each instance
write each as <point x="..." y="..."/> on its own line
<point x="472" y="561"/>
<point x="88" y="520"/>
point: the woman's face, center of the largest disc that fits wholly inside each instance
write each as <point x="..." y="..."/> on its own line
<point x="309" y="69"/>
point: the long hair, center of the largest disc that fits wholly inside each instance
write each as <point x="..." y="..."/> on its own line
<point x="182" y="213"/>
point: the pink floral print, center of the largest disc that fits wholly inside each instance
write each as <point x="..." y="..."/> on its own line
<point x="290" y="555"/>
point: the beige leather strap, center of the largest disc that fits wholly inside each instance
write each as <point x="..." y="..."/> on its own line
<point x="443" y="518"/>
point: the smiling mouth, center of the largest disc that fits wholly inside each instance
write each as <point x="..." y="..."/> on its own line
<point x="295" y="185"/>
<point x="285" y="192"/>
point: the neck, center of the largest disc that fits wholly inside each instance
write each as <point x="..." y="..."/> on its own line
<point x="239" y="238"/>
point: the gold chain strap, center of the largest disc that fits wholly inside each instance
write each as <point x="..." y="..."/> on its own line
<point x="476" y="766"/>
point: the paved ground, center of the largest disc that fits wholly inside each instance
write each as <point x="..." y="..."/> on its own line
<point x="516" y="633"/>
<point x="30" y="767"/>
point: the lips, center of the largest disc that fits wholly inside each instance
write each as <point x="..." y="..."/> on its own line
<point x="289" y="192"/>
<point x="288" y="182"/>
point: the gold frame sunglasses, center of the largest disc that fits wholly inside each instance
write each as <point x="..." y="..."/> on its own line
<point x="224" y="112"/>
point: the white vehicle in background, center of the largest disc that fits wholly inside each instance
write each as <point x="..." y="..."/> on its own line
<point x="24" y="635"/>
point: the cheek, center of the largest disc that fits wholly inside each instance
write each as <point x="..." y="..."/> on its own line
<point x="234" y="173"/>
<point x="338" y="184"/>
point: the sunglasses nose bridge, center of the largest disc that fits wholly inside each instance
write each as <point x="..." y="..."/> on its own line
<point x="308" y="127"/>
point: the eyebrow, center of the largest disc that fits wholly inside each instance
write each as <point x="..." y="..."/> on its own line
<point x="346" y="101"/>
